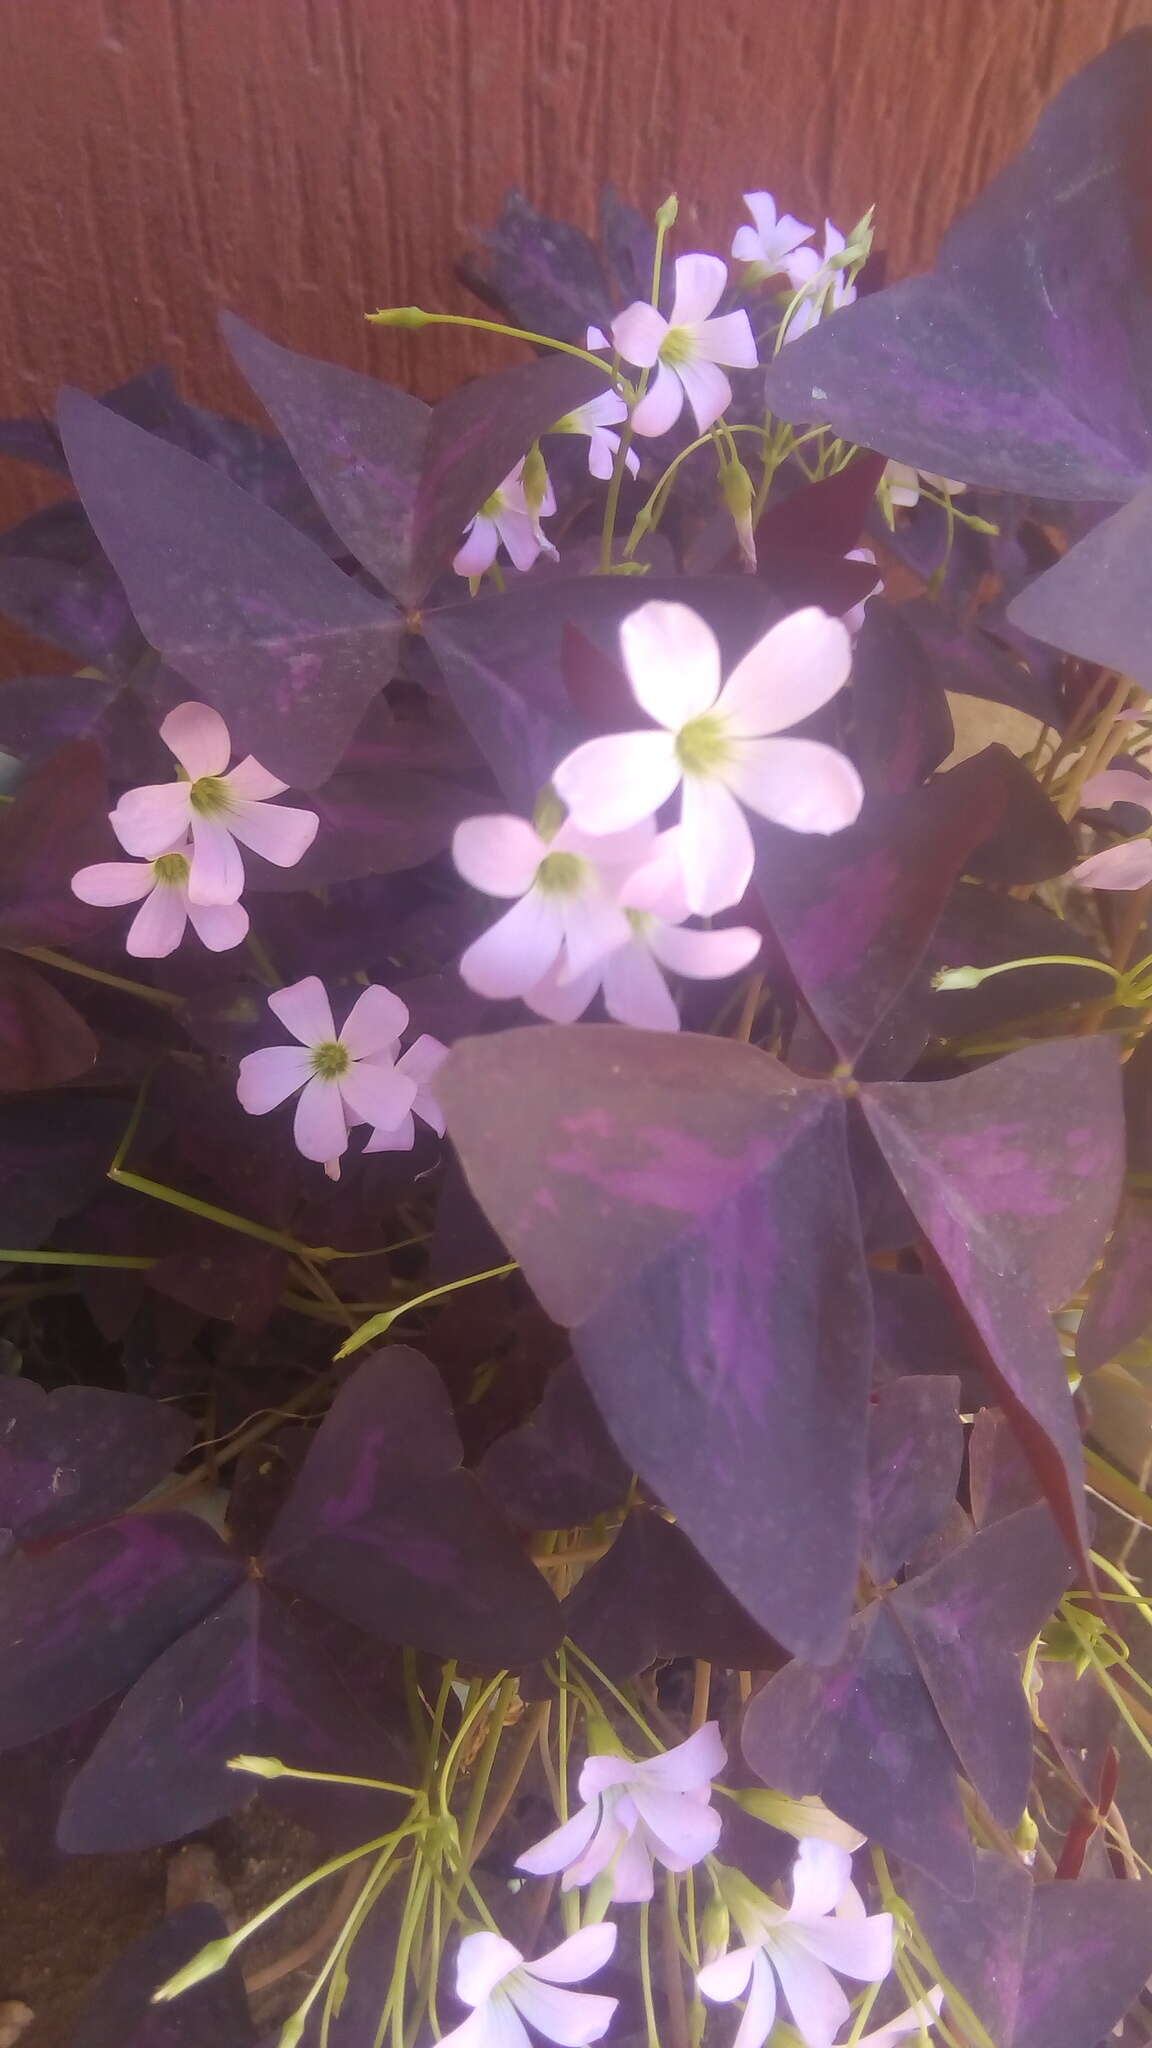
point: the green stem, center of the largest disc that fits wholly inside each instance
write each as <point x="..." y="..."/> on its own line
<point x="665" y="215"/>
<point x="162" y="997"/>
<point x="386" y="318"/>
<point x="209" y="1210"/>
<point x="376" y="1326"/>
<point x="115" y="1259"/>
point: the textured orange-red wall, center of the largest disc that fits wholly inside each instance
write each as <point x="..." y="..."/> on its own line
<point x="304" y="160"/>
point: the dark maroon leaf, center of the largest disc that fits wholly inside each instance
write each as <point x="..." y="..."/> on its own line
<point x="980" y="928"/>
<point x="917" y="1332"/>
<point x="915" y="1449"/>
<point x="1030" y="841"/>
<point x="1021" y="361"/>
<point x="1000" y="1478"/>
<point x="968" y="659"/>
<point x="903" y="727"/>
<point x="560" y="1468"/>
<point x="377" y="820"/>
<point x="43" y="1041"/>
<point x="80" y="1454"/>
<point x="243" y="1681"/>
<point x="57" y="823"/>
<point x="979" y="1942"/>
<point x="88" y="1616"/>
<point x="53" y="1156"/>
<point x="685" y="1202"/>
<point x="628" y="238"/>
<point x="214" y="2014"/>
<point x="863" y="1734"/>
<point x="653" y="1597"/>
<point x="384" y="1528"/>
<point x="255" y="618"/>
<point x="1120" y="1305"/>
<point x="830" y="515"/>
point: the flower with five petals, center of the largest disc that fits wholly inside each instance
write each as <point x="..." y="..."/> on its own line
<point x="419" y="1064"/>
<point x="342" y="1079"/>
<point x="596" y="419"/>
<point x="634" y="1813"/>
<point x="160" y="887"/>
<point x="687" y="349"/>
<point x="504" y="1991"/>
<point x="768" y="245"/>
<point x="506" y="516"/>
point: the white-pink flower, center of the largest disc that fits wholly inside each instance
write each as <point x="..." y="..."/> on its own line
<point x="635" y="1813"/>
<point x="343" y="1078"/>
<point x="419" y="1064"/>
<point x="596" y="419"/>
<point x="687" y="349"/>
<point x="508" y="517"/>
<point x="799" y="1947"/>
<point x="772" y="240"/>
<point x="566" y="904"/>
<point x="1129" y="865"/>
<point x="160" y="887"/>
<point x="217" y="805"/>
<point x="504" y="1991"/>
<point x="856" y="614"/>
<point x="632" y="977"/>
<point x="902" y="484"/>
<point x="822" y="279"/>
<point x="719" y="744"/>
<point x="916" y="2019"/>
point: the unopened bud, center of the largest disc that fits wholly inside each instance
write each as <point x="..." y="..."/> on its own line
<point x="736" y="485"/>
<point x="210" y="1958"/>
<point x="806" y="1818"/>
<point x="550" y="812"/>
<point x="259" y="1766"/>
<point x="602" y="1737"/>
<point x="857" y="244"/>
<point x="1027" y="1837"/>
<point x="958" y="977"/>
<point x="715" y="1928"/>
<point x="534" y="478"/>
<point x="666" y="212"/>
<point x="400" y="316"/>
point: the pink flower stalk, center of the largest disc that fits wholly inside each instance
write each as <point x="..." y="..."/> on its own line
<point x="800" y="1947"/>
<point x="419" y="1064"/>
<point x="504" y="1991"/>
<point x="772" y="240"/>
<point x="825" y="283"/>
<point x="343" y="1078"/>
<point x="160" y="886"/>
<point x="632" y="977"/>
<point x="1129" y="865"/>
<point x="216" y="807"/>
<point x="596" y="419"/>
<point x="508" y="517"/>
<point x="634" y="1814"/>
<point x="687" y="349"/>
<point x="719" y="745"/>
<point x="566" y="889"/>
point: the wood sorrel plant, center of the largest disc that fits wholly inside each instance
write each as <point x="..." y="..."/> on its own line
<point x="727" y="1619"/>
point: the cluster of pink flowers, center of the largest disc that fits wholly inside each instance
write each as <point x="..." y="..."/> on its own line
<point x="602" y="896"/>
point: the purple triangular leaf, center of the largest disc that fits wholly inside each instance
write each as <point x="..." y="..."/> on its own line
<point x="918" y="1332"/>
<point x="213" y="2014"/>
<point x="978" y="1940"/>
<point x="1000" y="1479"/>
<point x="829" y="516"/>
<point x="43" y="1040"/>
<point x="545" y="272"/>
<point x="915" y="1450"/>
<point x="54" y="1154"/>
<point x="653" y="1597"/>
<point x="1094" y="602"/>
<point x="254" y="617"/>
<point x="1021" y="361"/>
<point x="57" y="582"/>
<point x="58" y="822"/>
<point x="80" y="1454"/>
<point x="1120" y="1305"/>
<point x="903" y="727"/>
<point x="560" y="1468"/>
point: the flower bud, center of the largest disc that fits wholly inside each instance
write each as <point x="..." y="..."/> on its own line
<point x="534" y="477"/>
<point x="205" y="1963"/>
<point x="715" y="1928"/>
<point x="958" y="977"/>
<point x="400" y="316"/>
<point x="666" y="212"/>
<point x="259" y="1766"/>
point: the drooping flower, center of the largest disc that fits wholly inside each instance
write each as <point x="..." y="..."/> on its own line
<point x="687" y="349"/>
<point x="1128" y="865"/>
<point x="635" y="1813"/>
<point x="343" y="1078"/>
<point x="799" y="1947"/>
<point x="160" y="887"/>
<point x="902" y="485"/>
<point x="509" y="517"/>
<point x="856" y="614"/>
<point x="596" y="419"/>
<point x="504" y="1991"/>
<point x="719" y="744"/>
<point x="217" y="805"/>
<point x="823" y="279"/>
<point x="915" y="2019"/>
<point x="566" y="889"/>
<point x="772" y="240"/>
<point x="419" y="1064"/>
<point x="635" y="991"/>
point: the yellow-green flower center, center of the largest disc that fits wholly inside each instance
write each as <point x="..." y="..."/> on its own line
<point x="330" y="1060"/>
<point x="678" y="346"/>
<point x="640" y="922"/>
<point x="491" y="506"/>
<point x="210" y="797"/>
<point x="569" y="424"/>
<point x="170" y="870"/>
<point x="702" y="746"/>
<point x="561" y="874"/>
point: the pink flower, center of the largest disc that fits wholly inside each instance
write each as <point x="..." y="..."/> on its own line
<point x="345" y="1079"/>
<point x="634" y="1813"/>
<point x="635" y="991"/>
<point x="566" y="890"/>
<point x="902" y="484"/>
<point x="915" y="2019"/>
<point x="800" y="1946"/>
<point x="719" y="744"/>
<point x="1129" y="865"/>
<point x="506" y="516"/>
<point x="595" y="420"/>
<point x="687" y="349"/>
<point x="824" y="281"/>
<point x="773" y="239"/>
<point x="504" y="1991"/>
<point x="160" y="886"/>
<point x="855" y="616"/>
<point x="421" y="1061"/>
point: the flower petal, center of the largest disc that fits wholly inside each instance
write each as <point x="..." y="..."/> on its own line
<point x="377" y="1095"/>
<point x="729" y="1976"/>
<point x="635" y="991"/>
<point x="216" y="874"/>
<point x="571" y="1961"/>
<point x="708" y="389"/>
<point x="490" y="2027"/>
<point x="150" y="820"/>
<point x="219" y="926"/>
<point x="320" y="1128"/>
<point x="249" y="780"/>
<point x="676" y="1823"/>
<point x="267" y="1078"/>
<point x="691" y="1765"/>
<point x="661" y="405"/>
<point x="400" y="1138"/>
<point x="857" y="1948"/>
<point x="700" y="282"/>
<point x="716" y="845"/>
<point x="796" y="667"/>
<point x="374" y="1023"/>
<point x="521" y="535"/>
<point x="478" y="549"/>
<point x="158" y="926"/>
<point x="728" y="340"/>
<point x="1116" y="786"/>
<point x="498" y="855"/>
<point x="602" y="446"/>
<point x="593" y="928"/>
<point x="821" y="1873"/>
<point x="517" y="951"/>
<point x="915" y="2019"/>
<point x="672" y="661"/>
<point x="632" y="1881"/>
<point x="638" y="333"/>
<point x="482" y="1962"/>
<point x="304" y="1009"/>
<point x="278" y="832"/>
<point x="618" y="780"/>
<point x="746" y="245"/>
<point x="562" y="1001"/>
<point x="570" y="2018"/>
<point x="199" y="738"/>
<point x="1127" y="866"/>
<point x="606" y="1845"/>
<point x="815" y="2000"/>
<point x="114" y="881"/>
<point x="703" y="956"/>
<point x="557" y="1850"/>
<point x="799" y="783"/>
